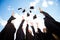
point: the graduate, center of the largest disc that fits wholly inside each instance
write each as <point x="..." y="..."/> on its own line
<point x="20" y="34"/>
<point x="51" y="24"/>
<point x="8" y="32"/>
<point x="35" y="34"/>
<point x="29" y="36"/>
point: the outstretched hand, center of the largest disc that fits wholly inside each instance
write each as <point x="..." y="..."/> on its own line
<point x="12" y="13"/>
<point x="40" y="10"/>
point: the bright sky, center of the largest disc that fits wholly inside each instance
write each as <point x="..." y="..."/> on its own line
<point x="6" y="7"/>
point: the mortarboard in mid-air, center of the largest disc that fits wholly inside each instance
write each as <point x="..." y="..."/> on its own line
<point x="31" y="7"/>
<point x="34" y="17"/>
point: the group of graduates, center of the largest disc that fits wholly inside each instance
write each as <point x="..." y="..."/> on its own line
<point x="51" y="32"/>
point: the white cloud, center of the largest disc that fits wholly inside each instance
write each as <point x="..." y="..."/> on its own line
<point x="47" y="3"/>
<point x="44" y="4"/>
<point x="34" y="3"/>
<point x="10" y="8"/>
<point x="3" y="22"/>
<point x="50" y="2"/>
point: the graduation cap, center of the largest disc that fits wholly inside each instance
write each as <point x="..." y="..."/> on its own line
<point x="32" y="7"/>
<point x="19" y="8"/>
<point x="34" y="17"/>
<point x="30" y="11"/>
<point x="28" y="14"/>
<point x="23" y="11"/>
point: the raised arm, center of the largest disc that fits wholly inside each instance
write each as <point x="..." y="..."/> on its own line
<point x="45" y="13"/>
<point x="21" y="24"/>
<point x="32" y="27"/>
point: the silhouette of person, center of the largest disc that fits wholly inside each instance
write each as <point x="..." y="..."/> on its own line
<point x="28" y="33"/>
<point x="51" y="24"/>
<point x="37" y="35"/>
<point x="8" y="32"/>
<point x="20" y="34"/>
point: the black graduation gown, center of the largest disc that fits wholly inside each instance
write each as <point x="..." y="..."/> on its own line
<point x="40" y="34"/>
<point x="35" y="34"/>
<point x="48" y="36"/>
<point x="52" y="25"/>
<point x="8" y="32"/>
<point x="28" y="35"/>
<point x="20" y="34"/>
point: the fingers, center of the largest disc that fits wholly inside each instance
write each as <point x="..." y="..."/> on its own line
<point x="40" y="10"/>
